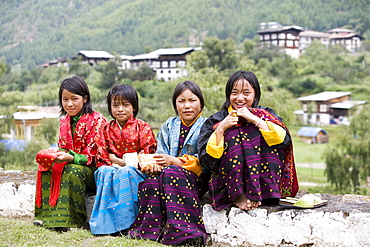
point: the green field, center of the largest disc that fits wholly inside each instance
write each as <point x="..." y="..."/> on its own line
<point x="311" y="153"/>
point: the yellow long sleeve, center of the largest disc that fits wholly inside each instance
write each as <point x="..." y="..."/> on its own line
<point x="213" y="149"/>
<point x="275" y="135"/>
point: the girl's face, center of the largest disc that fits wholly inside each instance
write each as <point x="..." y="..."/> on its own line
<point x="242" y="94"/>
<point x="188" y="106"/>
<point x="72" y="103"/>
<point x="121" y="110"/>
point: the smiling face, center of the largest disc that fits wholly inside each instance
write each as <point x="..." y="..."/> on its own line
<point x="188" y="106"/>
<point x="72" y="103"/>
<point x="121" y="110"/>
<point x="242" y="94"/>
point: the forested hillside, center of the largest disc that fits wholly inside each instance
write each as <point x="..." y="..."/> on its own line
<point x="36" y="31"/>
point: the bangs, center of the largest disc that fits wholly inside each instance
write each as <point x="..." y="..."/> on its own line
<point x="120" y="97"/>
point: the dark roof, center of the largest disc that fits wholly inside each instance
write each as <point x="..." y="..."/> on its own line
<point x="310" y="131"/>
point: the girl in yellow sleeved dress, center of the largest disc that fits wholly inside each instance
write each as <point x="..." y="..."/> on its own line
<point x="247" y="149"/>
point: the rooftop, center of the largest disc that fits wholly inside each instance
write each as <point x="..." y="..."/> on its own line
<point x="324" y="96"/>
<point x="96" y="54"/>
<point x="347" y="104"/>
<point x="310" y="33"/>
<point x="174" y="51"/>
<point x="310" y="131"/>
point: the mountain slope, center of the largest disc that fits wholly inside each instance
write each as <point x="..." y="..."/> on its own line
<point x="35" y="31"/>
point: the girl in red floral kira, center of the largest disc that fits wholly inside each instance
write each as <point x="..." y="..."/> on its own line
<point x="60" y="198"/>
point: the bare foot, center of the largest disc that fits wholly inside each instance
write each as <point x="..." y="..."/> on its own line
<point x="256" y="204"/>
<point x="245" y="204"/>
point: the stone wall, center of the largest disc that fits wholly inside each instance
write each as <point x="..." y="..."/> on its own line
<point x="344" y="221"/>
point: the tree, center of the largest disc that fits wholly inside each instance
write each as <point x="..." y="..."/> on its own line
<point x="197" y="60"/>
<point x="48" y="131"/>
<point x="220" y="53"/>
<point x="4" y="68"/>
<point x="110" y="72"/>
<point x="248" y="46"/>
<point x="348" y="160"/>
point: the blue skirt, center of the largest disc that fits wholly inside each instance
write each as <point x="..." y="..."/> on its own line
<point x="116" y="202"/>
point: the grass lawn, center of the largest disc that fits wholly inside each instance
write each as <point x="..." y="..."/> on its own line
<point x="308" y="153"/>
<point x="312" y="180"/>
<point x="23" y="233"/>
<point x="311" y="153"/>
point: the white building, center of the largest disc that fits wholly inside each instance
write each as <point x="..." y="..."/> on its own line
<point x="307" y="37"/>
<point x="293" y="39"/>
<point x="327" y="108"/>
<point x="345" y="37"/>
<point x="286" y="37"/>
<point x="168" y="63"/>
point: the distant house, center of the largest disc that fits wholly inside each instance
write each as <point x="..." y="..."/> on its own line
<point x="275" y="34"/>
<point x="294" y="39"/>
<point x="307" y="37"/>
<point x="137" y="61"/>
<point x="94" y="57"/>
<point x="168" y="63"/>
<point x="345" y="37"/>
<point x="326" y="107"/>
<point x="313" y="135"/>
<point x="58" y="62"/>
<point x="28" y="119"/>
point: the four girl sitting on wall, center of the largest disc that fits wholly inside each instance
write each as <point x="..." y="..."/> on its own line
<point x="241" y="154"/>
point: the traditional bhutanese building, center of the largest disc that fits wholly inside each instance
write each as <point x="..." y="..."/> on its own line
<point x="168" y="63"/>
<point x="345" y="37"/>
<point x="307" y="37"/>
<point x="286" y="37"/>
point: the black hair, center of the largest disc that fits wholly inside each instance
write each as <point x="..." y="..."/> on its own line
<point x="76" y="85"/>
<point x="123" y="92"/>
<point x="244" y="75"/>
<point x="181" y="87"/>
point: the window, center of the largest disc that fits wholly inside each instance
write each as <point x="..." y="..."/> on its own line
<point x="164" y="64"/>
<point x="290" y="36"/>
<point x="173" y="64"/>
<point x="156" y="64"/>
<point x="304" y="106"/>
<point x="181" y="63"/>
<point x="323" y="108"/>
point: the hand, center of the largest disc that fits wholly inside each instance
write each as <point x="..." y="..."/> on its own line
<point x="246" y="114"/>
<point x="63" y="157"/>
<point x="54" y="150"/>
<point x="151" y="168"/>
<point x="229" y="121"/>
<point x="114" y="159"/>
<point x="166" y="160"/>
